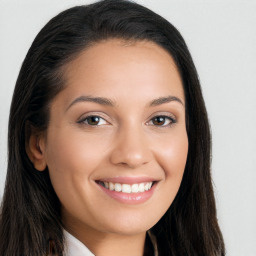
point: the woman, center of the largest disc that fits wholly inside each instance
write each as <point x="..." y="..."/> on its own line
<point x="109" y="142"/>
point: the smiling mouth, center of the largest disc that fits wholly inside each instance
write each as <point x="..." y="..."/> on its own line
<point x="127" y="188"/>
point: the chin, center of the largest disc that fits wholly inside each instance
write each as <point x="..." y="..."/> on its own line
<point x="129" y="224"/>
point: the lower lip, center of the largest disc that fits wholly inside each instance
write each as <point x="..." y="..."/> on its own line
<point x="129" y="198"/>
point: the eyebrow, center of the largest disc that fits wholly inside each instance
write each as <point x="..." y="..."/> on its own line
<point x="162" y="100"/>
<point x="111" y="103"/>
<point x="99" y="100"/>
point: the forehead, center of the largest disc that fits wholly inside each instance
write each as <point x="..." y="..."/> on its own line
<point x="118" y="69"/>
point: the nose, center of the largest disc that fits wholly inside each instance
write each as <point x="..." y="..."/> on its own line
<point x="131" y="148"/>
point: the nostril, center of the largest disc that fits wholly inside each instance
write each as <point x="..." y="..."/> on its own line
<point x="131" y="164"/>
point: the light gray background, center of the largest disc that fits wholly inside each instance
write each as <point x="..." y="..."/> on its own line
<point x="221" y="36"/>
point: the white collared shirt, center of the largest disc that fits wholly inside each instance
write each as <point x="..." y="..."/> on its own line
<point x="74" y="247"/>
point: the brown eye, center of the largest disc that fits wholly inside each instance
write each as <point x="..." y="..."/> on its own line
<point x="162" y="120"/>
<point x="93" y="121"/>
<point x="159" y="120"/>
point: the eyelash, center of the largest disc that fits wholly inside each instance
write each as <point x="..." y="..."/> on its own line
<point x="172" y="120"/>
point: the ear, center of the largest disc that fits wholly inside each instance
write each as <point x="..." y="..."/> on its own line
<point x="36" y="151"/>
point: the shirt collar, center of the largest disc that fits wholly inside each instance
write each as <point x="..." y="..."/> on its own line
<point x="75" y="247"/>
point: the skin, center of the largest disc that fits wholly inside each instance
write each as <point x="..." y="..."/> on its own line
<point x="127" y="142"/>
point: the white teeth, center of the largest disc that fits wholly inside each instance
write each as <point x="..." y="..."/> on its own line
<point x="141" y="187"/>
<point x="128" y="188"/>
<point x="148" y="186"/>
<point x="111" y="186"/>
<point x="135" y="188"/>
<point x="118" y="187"/>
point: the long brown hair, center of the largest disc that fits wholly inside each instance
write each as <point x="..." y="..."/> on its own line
<point x="30" y="215"/>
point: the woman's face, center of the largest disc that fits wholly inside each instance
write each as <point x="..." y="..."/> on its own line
<point x="119" y="124"/>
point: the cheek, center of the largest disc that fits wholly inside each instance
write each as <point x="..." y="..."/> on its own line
<point x="70" y="152"/>
<point x="172" y="153"/>
<point x="172" y="156"/>
<point x="72" y="158"/>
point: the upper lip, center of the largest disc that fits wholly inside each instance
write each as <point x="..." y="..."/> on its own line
<point x="128" y="179"/>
